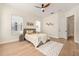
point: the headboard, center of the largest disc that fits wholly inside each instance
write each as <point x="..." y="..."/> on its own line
<point x="29" y="29"/>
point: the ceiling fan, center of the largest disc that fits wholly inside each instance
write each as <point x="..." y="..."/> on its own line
<point x="43" y="6"/>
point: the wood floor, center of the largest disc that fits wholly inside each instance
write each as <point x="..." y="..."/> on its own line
<point x="26" y="49"/>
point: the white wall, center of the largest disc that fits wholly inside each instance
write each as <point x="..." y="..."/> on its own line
<point x="58" y="30"/>
<point x="0" y="23"/>
<point x="60" y="20"/>
<point x="7" y="12"/>
<point x="75" y="12"/>
<point x="76" y="25"/>
<point x="51" y="30"/>
<point x="62" y="25"/>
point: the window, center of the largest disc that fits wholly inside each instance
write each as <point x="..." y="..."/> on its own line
<point x="38" y="26"/>
<point x="17" y="23"/>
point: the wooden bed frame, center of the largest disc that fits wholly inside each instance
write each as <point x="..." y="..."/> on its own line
<point x="25" y="30"/>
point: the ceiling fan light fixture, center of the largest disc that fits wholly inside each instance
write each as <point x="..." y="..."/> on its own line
<point x="42" y="9"/>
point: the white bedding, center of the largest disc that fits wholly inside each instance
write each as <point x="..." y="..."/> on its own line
<point x="36" y="38"/>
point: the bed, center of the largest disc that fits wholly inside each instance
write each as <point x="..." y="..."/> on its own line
<point x="35" y="38"/>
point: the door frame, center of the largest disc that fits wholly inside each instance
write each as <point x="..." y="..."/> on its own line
<point x="67" y="24"/>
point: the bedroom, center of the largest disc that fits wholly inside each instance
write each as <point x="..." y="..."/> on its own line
<point x="50" y="24"/>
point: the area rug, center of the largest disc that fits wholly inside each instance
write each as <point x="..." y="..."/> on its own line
<point x="51" y="48"/>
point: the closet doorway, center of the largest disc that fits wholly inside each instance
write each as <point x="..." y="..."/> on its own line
<point x="70" y="27"/>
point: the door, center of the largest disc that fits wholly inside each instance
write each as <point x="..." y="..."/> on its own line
<point x="70" y="26"/>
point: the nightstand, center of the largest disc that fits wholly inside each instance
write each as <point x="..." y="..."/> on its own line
<point x="21" y="37"/>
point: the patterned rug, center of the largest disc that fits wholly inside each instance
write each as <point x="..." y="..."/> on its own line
<point x="51" y="48"/>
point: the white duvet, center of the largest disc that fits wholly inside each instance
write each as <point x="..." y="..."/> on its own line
<point x="36" y="38"/>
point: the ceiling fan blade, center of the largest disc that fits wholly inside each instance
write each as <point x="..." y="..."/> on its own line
<point x="43" y="6"/>
<point x="46" y="5"/>
<point x="37" y="7"/>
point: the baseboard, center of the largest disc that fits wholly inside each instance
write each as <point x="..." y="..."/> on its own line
<point x="3" y="42"/>
<point x="62" y="38"/>
<point x="58" y="38"/>
<point x="76" y="41"/>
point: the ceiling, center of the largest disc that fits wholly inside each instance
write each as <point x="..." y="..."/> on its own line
<point x="29" y="7"/>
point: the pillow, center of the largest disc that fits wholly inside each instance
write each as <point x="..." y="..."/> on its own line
<point x="29" y="31"/>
